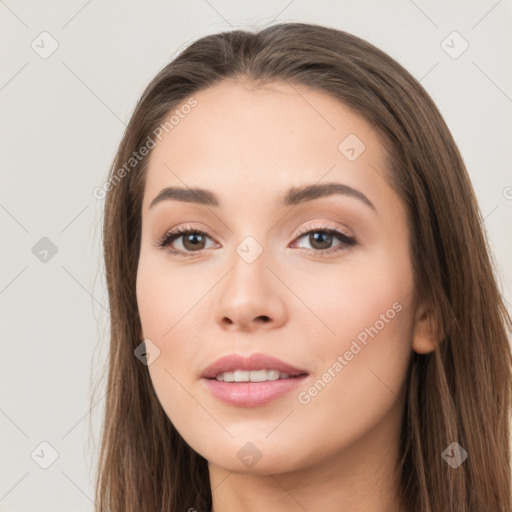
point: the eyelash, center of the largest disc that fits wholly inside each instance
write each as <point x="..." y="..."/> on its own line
<point x="170" y="236"/>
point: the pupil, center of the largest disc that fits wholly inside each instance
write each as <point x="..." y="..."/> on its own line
<point x="193" y="240"/>
<point x="325" y="238"/>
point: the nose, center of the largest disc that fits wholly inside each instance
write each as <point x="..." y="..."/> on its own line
<point x="250" y="296"/>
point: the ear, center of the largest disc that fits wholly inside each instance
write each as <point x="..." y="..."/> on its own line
<point x="425" y="337"/>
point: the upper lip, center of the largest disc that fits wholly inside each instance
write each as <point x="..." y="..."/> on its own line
<point x="232" y="362"/>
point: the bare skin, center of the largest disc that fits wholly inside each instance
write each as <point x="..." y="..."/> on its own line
<point x="327" y="450"/>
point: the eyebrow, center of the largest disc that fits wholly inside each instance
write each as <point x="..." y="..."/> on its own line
<point x="291" y="197"/>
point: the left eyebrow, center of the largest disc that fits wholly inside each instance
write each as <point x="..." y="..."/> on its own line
<point x="299" y="195"/>
<point x="291" y="197"/>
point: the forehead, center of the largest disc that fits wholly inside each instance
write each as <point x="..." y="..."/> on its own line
<point x="251" y="142"/>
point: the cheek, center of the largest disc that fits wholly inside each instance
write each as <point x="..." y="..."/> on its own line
<point x="351" y="296"/>
<point x="166" y="308"/>
<point x="162" y="296"/>
<point x="170" y="309"/>
<point x="367" y="317"/>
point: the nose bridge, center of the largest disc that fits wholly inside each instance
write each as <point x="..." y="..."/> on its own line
<point x="248" y="262"/>
<point x="250" y="250"/>
<point x="249" y="294"/>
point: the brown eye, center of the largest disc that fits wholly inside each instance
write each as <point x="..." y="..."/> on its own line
<point x="194" y="241"/>
<point x="321" y="240"/>
<point x="191" y="240"/>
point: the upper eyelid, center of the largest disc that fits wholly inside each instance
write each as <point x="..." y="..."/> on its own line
<point x="324" y="227"/>
<point x="180" y="231"/>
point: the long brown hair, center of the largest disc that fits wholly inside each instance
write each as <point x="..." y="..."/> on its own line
<point x="460" y="392"/>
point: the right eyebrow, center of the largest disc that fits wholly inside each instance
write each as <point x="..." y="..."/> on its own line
<point x="188" y="195"/>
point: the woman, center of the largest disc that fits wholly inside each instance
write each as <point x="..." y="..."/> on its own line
<point x="304" y="314"/>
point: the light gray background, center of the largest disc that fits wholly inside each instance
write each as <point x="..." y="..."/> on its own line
<point x="62" y="119"/>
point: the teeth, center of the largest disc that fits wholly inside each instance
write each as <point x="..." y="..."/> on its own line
<point x="252" y="376"/>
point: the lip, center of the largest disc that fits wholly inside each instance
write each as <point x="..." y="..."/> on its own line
<point x="250" y="394"/>
<point x="257" y="361"/>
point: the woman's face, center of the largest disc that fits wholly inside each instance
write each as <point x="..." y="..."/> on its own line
<point x="265" y="275"/>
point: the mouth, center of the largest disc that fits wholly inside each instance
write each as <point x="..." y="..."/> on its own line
<point x="260" y="367"/>
<point x="251" y="394"/>
<point x="254" y="376"/>
<point x="251" y="381"/>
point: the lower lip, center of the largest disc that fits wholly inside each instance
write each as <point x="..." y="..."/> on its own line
<point x="251" y="394"/>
